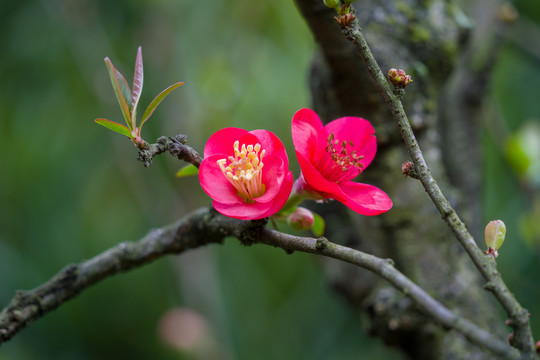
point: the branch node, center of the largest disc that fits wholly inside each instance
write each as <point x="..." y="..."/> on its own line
<point x="147" y="154"/>
<point x="179" y="149"/>
<point x="250" y="232"/>
<point x="399" y="92"/>
<point x="489" y="286"/>
<point x="445" y="213"/>
<point x="175" y="145"/>
<point x="321" y="244"/>
<point x="408" y="169"/>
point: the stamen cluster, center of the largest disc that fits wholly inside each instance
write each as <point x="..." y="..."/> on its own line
<point x="244" y="171"/>
<point x="343" y="158"/>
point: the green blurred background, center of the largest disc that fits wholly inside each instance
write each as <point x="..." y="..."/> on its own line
<point x="69" y="189"/>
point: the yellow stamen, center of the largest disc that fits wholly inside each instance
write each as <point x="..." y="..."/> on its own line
<point x="244" y="171"/>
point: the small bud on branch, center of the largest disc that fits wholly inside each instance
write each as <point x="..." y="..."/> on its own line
<point x="333" y="4"/>
<point x="301" y="219"/>
<point x="495" y="233"/>
<point x="408" y="169"/>
<point x="399" y="78"/>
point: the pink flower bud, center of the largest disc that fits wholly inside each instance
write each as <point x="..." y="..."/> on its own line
<point x="407" y="167"/>
<point x="510" y="339"/>
<point x="399" y="78"/>
<point x="301" y="219"/>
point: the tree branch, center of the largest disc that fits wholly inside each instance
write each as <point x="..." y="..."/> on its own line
<point x="519" y="316"/>
<point x="385" y="269"/>
<point x="203" y="227"/>
<point x="198" y="229"/>
<point x="176" y="146"/>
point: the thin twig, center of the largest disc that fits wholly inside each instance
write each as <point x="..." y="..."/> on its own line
<point x="519" y="316"/>
<point x="176" y="146"/>
<point x="203" y="227"/>
<point x="385" y="269"/>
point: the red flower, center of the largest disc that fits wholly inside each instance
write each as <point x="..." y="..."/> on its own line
<point x="232" y="173"/>
<point x="332" y="155"/>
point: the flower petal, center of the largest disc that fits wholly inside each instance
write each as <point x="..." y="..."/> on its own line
<point x="222" y="141"/>
<point x="365" y="199"/>
<point x="283" y="194"/>
<point x="248" y="139"/>
<point x="214" y="183"/>
<point x="273" y="173"/>
<point x="244" y="211"/>
<point x="317" y="182"/>
<point x="258" y="210"/>
<point x="272" y="144"/>
<point x="308" y="134"/>
<point x="360" y="132"/>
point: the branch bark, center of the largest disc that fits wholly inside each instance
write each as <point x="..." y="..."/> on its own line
<point x="206" y="226"/>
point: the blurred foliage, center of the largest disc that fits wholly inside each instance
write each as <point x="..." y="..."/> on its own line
<point x="69" y="189"/>
<point x="512" y="157"/>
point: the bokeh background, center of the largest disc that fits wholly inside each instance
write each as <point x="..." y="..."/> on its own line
<point x="70" y="189"/>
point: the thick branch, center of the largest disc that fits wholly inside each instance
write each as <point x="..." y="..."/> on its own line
<point x="486" y="265"/>
<point x="203" y="227"/>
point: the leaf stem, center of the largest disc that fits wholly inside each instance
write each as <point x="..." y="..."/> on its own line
<point x="294" y="200"/>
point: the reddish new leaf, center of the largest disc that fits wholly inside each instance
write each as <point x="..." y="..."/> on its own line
<point x="153" y="105"/>
<point x="137" y="85"/>
<point x="118" y="82"/>
<point x="124" y="87"/>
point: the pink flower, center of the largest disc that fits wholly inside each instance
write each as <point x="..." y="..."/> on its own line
<point x="232" y="173"/>
<point x="331" y="156"/>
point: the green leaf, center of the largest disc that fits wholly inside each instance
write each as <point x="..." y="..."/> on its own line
<point x="150" y="109"/>
<point x="114" y="126"/>
<point x="495" y="233"/>
<point x="318" y="225"/>
<point x="187" y="170"/>
<point x="137" y="84"/>
<point x="121" y="89"/>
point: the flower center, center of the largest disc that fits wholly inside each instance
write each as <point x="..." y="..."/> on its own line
<point x="244" y="171"/>
<point x="340" y="163"/>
